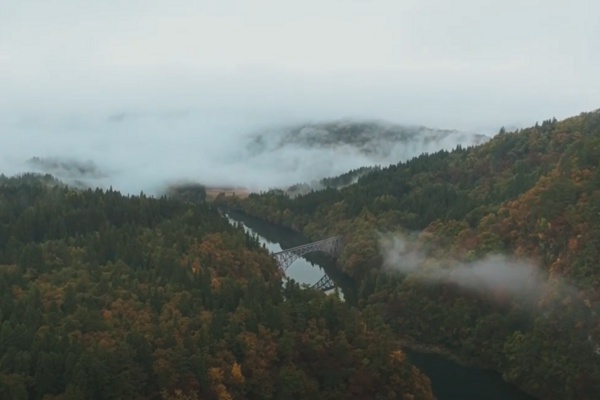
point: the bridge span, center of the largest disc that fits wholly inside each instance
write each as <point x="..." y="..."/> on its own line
<point x="331" y="246"/>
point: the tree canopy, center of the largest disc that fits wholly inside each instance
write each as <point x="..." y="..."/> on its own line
<point x="107" y="296"/>
<point x="532" y="193"/>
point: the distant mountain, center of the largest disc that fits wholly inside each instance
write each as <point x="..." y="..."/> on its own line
<point x="374" y="139"/>
<point x="368" y="143"/>
<point x="71" y="171"/>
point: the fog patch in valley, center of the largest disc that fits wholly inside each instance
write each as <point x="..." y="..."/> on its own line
<point x="499" y="277"/>
<point x="495" y="273"/>
<point x="378" y="140"/>
<point x="137" y="151"/>
<point x="171" y="90"/>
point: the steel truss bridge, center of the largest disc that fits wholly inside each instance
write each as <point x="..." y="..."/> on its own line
<point x="331" y="246"/>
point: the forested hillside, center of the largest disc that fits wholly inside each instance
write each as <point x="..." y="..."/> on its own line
<point x="106" y="296"/>
<point x="378" y="139"/>
<point x="337" y="182"/>
<point x="531" y="194"/>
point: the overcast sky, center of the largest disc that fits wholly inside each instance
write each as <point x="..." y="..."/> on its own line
<point x="467" y="64"/>
<point x="456" y="64"/>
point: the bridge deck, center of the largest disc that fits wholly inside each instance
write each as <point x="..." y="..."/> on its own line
<point x="308" y="244"/>
<point x="330" y="246"/>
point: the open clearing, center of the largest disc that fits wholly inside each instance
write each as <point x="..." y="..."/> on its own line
<point x="213" y="192"/>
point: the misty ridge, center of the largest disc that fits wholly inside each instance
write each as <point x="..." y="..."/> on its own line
<point x="493" y="275"/>
<point x="71" y="171"/>
<point x="377" y="140"/>
<point x="336" y="182"/>
<point x="135" y="152"/>
<point x="520" y="278"/>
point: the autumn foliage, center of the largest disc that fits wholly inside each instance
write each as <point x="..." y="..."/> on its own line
<point x="106" y="296"/>
<point x="532" y="193"/>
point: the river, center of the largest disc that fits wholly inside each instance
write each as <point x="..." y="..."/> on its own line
<point x="449" y="380"/>
<point x="308" y="269"/>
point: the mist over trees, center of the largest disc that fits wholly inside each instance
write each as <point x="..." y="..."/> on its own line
<point x="491" y="251"/>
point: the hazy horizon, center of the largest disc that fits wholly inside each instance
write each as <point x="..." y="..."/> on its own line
<point x="155" y="89"/>
<point x="134" y="162"/>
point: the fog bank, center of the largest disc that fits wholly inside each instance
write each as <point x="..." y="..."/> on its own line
<point x="136" y="152"/>
<point x="493" y="274"/>
<point x="154" y="90"/>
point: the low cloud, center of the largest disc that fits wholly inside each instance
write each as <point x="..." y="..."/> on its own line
<point x="143" y="151"/>
<point x="149" y="105"/>
<point x="518" y="277"/>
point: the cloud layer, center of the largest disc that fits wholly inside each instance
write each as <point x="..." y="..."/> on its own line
<point x="469" y="65"/>
<point x="492" y="274"/>
<point x="137" y="151"/>
<point x="154" y="90"/>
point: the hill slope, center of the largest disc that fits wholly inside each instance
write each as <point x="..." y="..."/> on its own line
<point x="105" y="296"/>
<point x="312" y="152"/>
<point x="533" y="195"/>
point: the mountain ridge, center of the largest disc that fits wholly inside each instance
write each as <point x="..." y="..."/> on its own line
<point x="369" y="137"/>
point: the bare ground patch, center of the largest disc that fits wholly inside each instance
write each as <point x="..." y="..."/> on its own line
<point x="213" y="192"/>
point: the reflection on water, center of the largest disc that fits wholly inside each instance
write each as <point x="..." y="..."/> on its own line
<point x="449" y="380"/>
<point x="301" y="270"/>
<point x="309" y="268"/>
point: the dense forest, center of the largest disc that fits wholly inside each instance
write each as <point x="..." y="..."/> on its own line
<point x="337" y="182"/>
<point x="532" y="194"/>
<point x="107" y="296"/>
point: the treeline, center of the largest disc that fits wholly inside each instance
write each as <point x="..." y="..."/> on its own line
<point x="106" y="296"/>
<point x="347" y="178"/>
<point x="533" y="193"/>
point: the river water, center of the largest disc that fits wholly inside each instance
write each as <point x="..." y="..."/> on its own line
<point x="300" y="270"/>
<point x="449" y="380"/>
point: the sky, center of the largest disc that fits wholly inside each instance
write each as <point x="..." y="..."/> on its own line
<point x="134" y="80"/>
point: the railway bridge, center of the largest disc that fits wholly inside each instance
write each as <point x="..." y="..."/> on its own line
<point x="331" y="246"/>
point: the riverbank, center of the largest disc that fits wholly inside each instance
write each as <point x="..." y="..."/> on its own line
<point x="227" y="207"/>
<point x="471" y="362"/>
<point x="449" y="376"/>
<point x="466" y="369"/>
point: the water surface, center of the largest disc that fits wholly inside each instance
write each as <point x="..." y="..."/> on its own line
<point x="449" y="380"/>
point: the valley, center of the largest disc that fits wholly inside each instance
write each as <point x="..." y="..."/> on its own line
<point x="316" y="200"/>
<point x="450" y="380"/>
<point x="480" y="259"/>
<point x="530" y="195"/>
